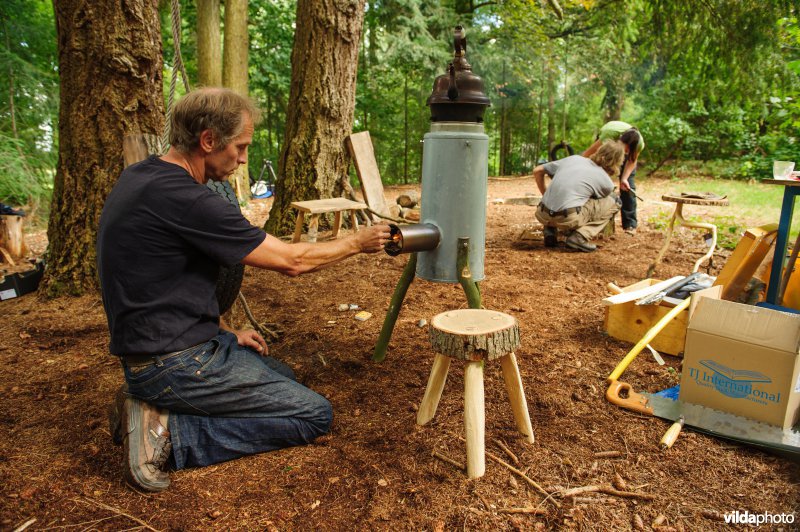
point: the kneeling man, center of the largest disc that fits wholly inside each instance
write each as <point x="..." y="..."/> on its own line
<point x="580" y="201"/>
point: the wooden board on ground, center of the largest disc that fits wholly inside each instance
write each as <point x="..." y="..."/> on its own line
<point x="363" y="154"/>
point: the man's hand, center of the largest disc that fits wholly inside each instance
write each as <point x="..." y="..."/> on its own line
<point x="372" y="239"/>
<point x="251" y="338"/>
<point x="623" y="185"/>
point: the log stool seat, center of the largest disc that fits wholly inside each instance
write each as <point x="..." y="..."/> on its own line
<point x="680" y="200"/>
<point x="324" y="206"/>
<point x="475" y="336"/>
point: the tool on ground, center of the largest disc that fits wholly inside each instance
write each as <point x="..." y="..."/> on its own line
<point x="785" y="442"/>
<point x="672" y="433"/>
<point x="656" y="298"/>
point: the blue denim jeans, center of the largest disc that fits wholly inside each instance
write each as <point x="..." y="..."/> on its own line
<point x="227" y="401"/>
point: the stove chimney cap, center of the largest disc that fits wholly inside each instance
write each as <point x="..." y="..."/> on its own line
<point x="458" y="95"/>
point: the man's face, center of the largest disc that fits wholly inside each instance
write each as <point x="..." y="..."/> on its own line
<point x="222" y="162"/>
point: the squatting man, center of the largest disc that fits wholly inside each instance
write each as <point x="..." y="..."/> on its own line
<point x="580" y="201"/>
<point x="198" y="393"/>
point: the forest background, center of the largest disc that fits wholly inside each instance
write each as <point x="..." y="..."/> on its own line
<point x="713" y="80"/>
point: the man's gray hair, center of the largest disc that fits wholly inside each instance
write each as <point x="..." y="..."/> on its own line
<point x="220" y="110"/>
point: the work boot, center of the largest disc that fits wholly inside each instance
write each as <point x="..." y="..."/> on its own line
<point x="577" y="242"/>
<point x="115" y="415"/>
<point x="147" y="445"/>
<point x="630" y="231"/>
<point x="550" y="237"/>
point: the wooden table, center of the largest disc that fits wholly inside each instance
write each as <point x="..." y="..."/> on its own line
<point x="324" y="206"/>
<point x="790" y="192"/>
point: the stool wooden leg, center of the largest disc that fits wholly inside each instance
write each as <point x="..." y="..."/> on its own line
<point x="516" y="395"/>
<point x="433" y="392"/>
<point x="298" y="226"/>
<point x="354" y="220"/>
<point x="337" y="224"/>
<point x="313" y="227"/>
<point x="701" y="225"/>
<point x="651" y="270"/>
<point x="474" y="419"/>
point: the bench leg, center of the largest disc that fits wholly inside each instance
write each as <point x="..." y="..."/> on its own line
<point x="313" y="227"/>
<point x="337" y="224"/>
<point x="474" y="419"/>
<point x="298" y="226"/>
<point x="516" y="395"/>
<point x="676" y="215"/>
<point x="433" y="392"/>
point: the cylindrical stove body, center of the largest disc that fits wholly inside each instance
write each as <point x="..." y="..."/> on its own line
<point x="454" y="186"/>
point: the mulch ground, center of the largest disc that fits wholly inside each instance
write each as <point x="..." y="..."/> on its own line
<point x="59" y="466"/>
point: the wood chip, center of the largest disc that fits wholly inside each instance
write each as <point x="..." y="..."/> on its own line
<point x="526" y="510"/>
<point x="608" y="454"/>
<point x="508" y="451"/>
<point x="440" y="456"/>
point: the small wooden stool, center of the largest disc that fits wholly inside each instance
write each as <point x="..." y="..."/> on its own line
<point x="324" y="206"/>
<point x="677" y="216"/>
<point x="475" y="336"/>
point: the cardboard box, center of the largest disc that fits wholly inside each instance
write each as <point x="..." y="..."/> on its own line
<point x="743" y="360"/>
<point x="629" y="322"/>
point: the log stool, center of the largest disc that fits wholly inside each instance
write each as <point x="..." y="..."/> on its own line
<point x="323" y="206"/>
<point x="677" y="216"/>
<point x="475" y="336"/>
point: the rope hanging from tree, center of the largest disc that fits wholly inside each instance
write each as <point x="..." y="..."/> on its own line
<point x="177" y="66"/>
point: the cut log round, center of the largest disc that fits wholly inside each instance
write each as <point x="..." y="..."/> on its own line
<point x="474" y="334"/>
<point x="408" y="200"/>
<point x="11" y="236"/>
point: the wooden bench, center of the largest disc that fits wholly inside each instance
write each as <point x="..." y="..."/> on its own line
<point x="677" y="218"/>
<point x="324" y="206"/>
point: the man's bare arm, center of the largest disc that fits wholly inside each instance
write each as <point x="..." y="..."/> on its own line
<point x="538" y="176"/>
<point x="304" y="257"/>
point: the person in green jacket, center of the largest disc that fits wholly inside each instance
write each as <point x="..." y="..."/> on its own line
<point x="634" y="144"/>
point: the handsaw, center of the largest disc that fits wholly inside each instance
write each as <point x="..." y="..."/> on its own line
<point x="656" y="298"/>
<point x="785" y="442"/>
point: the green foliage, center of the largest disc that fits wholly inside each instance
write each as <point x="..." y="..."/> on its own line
<point x="28" y="101"/>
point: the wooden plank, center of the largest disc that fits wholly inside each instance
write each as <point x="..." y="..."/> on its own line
<point x="741" y="266"/>
<point x="629" y="322"/>
<point x="323" y="206"/>
<point x="640" y="290"/>
<point x="360" y="147"/>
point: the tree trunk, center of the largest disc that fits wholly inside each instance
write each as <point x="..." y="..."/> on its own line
<point x="405" y="128"/>
<point x="539" y="114"/>
<point x="234" y="73"/>
<point x="110" y="64"/>
<point x="551" y="107"/>
<point x="321" y="104"/>
<point x="613" y="100"/>
<point x="504" y="134"/>
<point x="209" y="49"/>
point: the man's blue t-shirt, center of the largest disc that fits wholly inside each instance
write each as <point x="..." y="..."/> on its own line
<point x="161" y="240"/>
